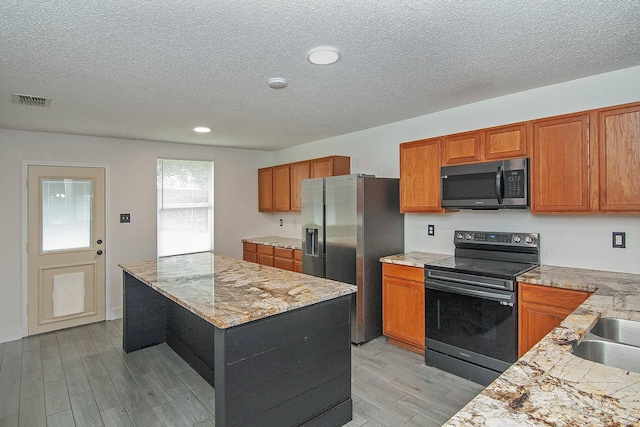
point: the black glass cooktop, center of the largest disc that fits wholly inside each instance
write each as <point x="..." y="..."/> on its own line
<point x="482" y="267"/>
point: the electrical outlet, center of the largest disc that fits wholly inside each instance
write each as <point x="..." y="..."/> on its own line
<point x="431" y="230"/>
<point x="619" y="239"/>
<point x="281" y="222"/>
<point x="125" y="217"/>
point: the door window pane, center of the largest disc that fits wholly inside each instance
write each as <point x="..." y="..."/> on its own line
<point x="185" y="206"/>
<point x="66" y="214"/>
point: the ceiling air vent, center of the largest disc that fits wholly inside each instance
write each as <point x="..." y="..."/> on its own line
<point x="36" y="101"/>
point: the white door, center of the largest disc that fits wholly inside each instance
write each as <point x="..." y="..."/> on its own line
<point x="66" y="261"/>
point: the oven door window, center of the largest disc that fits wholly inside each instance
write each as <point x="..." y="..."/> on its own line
<point x="472" y="323"/>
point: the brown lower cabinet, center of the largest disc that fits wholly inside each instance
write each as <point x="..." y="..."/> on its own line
<point x="403" y="306"/>
<point x="286" y="259"/>
<point x="541" y="309"/>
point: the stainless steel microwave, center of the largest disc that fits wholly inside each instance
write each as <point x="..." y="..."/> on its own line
<point x="490" y="185"/>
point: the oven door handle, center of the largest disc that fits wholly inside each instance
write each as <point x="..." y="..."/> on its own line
<point x="507" y="298"/>
<point x="432" y="275"/>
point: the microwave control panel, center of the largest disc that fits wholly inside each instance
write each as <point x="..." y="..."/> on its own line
<point x="514" y="184"/>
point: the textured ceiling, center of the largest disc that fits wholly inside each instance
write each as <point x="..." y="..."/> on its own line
<point x="154" y="69"/>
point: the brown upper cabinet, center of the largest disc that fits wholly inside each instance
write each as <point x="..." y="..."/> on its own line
<point x="587" y="162"/>
<point x="420" y="176"/>
<point x="299" y="171"/>
<point x="279" y="187"/>
<point x="265" y="189"/>
<point x="461" y="148"/>
<point x="560" y="164"/>
<point x="330" y="166"/>
<point x="503" y="142"/>
<point x="619" y="159"/>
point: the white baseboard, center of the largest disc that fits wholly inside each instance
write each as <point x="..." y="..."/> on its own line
<point x="10" y="334"/>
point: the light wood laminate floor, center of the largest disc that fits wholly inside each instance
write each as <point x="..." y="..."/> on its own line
<point x="80" y="376"/>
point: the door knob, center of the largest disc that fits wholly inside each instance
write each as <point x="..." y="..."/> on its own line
<point x="99" y="252"/>
<point x="99" y="241"/>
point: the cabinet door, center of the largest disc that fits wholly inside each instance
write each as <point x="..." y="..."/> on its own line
<point x="505" y="142"/>
<point x="281" y="188"/>
<point x="420" y="176"/>
<point x="265" y="189"/>
<point x="297" y="261"/>
<point x="299" y="171"/>
<point x="249" y="252"/>
<point x="330" y="166"/>
<point x="461" y="148"/>
<point x="540" y="309"/>
<point x="283" y="258"/>
<point x="265" y="255"/>
<point x="560" y="165"/>
<point x="536" y="321"/>
<point x="403" y="306"/>
<point x="619" y="159"/>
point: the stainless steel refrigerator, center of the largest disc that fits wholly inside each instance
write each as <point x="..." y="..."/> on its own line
<point x="348" y="223"/>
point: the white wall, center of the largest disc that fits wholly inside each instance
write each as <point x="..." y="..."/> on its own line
<point x="131" y="185"/>
<point x="569" y="240"/>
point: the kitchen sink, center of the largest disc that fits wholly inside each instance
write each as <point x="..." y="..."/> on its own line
<point x="619" y="330"/>
<point x="609" y="353"/>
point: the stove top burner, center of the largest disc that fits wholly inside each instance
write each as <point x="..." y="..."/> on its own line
<point x="482" y="267"/>
<point x="491" y="254"/>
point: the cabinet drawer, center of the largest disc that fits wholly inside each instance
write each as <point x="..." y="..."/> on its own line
<point x="297" y="255"/>
<point x="283" y="253"/>
<point x="415" y="274"/>
<point x="265" y="249"/>
<point x="265" y="259"/>
<point x="285" y="264"/>
<point x="249" y="247"/>
<point x="553" y="297"/>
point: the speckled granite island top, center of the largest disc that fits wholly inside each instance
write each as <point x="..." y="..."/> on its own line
<point x="413" y="259"/>
<point x="278" y="242"/>
<point x="228" y="292"/>
<point x="549" y="386"/>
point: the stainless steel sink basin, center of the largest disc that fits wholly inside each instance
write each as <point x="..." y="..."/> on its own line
<point x="609" y="353"/>
<point x="619" y="330"/>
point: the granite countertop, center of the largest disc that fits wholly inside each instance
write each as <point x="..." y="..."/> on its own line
<point x="278" y="242"/>
<point x="413" y="259"/>
<point x="549" y="386"/>
<point x="228" y="292"/>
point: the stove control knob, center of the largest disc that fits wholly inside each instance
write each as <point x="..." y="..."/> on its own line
<point x="528" y="240"/>
<point x="517" y="239"/>
<point x="468" y="236"/>
<point x="459" y="236"/>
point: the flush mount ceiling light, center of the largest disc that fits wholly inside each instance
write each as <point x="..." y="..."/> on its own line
<point x="202" y="129"/>
<point x="323" y="55"/>
<point x="277" y="83"/>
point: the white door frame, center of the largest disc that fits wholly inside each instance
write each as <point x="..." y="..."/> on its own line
<point x="25" y="221"/>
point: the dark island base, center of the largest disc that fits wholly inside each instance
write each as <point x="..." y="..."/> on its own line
<point x="290" y="369"/>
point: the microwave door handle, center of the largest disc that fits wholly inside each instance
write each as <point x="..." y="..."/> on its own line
<point x="499" y="184"/>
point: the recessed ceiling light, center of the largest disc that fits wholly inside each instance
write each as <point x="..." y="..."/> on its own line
<point x="277" y="83"/>
<point x="202" y="129"/>
<point x="323" y="55"/>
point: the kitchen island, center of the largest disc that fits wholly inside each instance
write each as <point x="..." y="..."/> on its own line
<point x="274" y="344"/>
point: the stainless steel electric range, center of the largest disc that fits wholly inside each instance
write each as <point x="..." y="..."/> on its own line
<point x="471" y="317"/>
